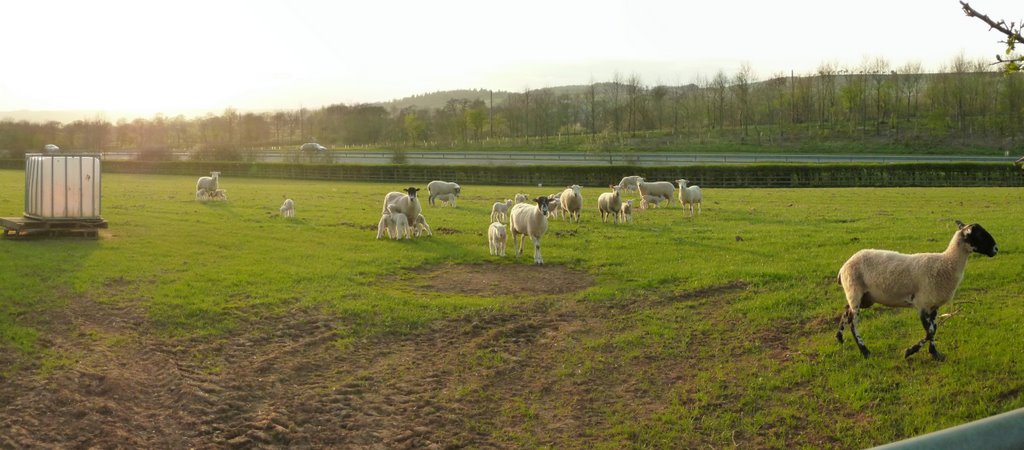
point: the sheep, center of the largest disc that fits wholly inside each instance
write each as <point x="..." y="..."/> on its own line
<point x="554" y="205"/>
<point x="571" y="202"/>
<point x="288" y="208"/>
<point x="396" y="225"/>
<point x="648" y="200"/>
<point x="405" y="203"/>
<point x="420" y="225"/>
<point x="924" y="281"/>
<point x="521" y="198"/>
<point x="626" y="213"/>
<point x="610" y="204"/>
<point x="210" y="183"/>
<point x="218" y="194"/>
<point x="529" y="220"/>
<point x="629" y="183"/>
<point x="447" y="199"/>
<point x="662" y="189"/>
<point x="496" y="238"/>
<point x="499" y="210"/>
<point x="689" y="196"/>
<point x="202" y="195"/>
<point x="438" y="187"/>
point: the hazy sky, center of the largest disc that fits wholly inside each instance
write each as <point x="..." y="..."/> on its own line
<point x="185" y="56"/>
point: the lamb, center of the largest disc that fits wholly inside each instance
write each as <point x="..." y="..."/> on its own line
<point x="610" y="204"/>
<point x="689" y="196"/>
<point x="626" y="213"/>
<point x="630" y="183"/>
<point x="499" y="210"/>
<point x="288" y="208"/>
<point x="924" y="281"/>
<point x="554" y="205"/>
<point x="571" y="202"/>
<point x="521" y="198"/>
<point x="420" y="225"/>
<point x="210" y="183"/>
<point x="438" y="187"/>
<point x="496" y="238"/>
<point x="218" y="194"/>
<point x="396" y="225"/>
<point x="663" y="189"/>
<point x="201" y="194"/>
<point x="405" y="203"/>
<point x="648" y="200"/>
<point x="529" y="220"/>
<point x="447" y="199"/>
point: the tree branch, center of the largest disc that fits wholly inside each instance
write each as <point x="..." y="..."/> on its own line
<point x="999" y="26"/>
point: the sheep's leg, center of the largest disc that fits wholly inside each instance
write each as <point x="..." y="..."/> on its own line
<point x="930" y="326"/>
<point x="852" y="319"/>
<point x="537" y="259"/>
<point x="842" y="324"/>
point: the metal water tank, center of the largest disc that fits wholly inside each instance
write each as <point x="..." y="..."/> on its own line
<point x="62" y="187"/>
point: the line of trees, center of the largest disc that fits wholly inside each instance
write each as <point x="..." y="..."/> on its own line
<point x="964" y="105"/>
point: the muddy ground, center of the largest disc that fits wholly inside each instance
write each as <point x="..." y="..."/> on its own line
<point x="286" y="381"/>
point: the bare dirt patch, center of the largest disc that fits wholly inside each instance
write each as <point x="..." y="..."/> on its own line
<point x="504" y="279"/>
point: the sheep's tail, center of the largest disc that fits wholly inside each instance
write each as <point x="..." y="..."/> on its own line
<point x="839" y="278"/>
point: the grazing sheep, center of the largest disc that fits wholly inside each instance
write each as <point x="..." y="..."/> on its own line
<point x="626" y="213"/>
<point x="610" y="204"/>
<point x="662" y="189"/>
<point x="521" y="198"/>
<point x="420" y="225"/>
<point x="496" y="238"/>
<point x="499" y="210"/>
<point x="438" y="187"/>
<point x="529" y="220"/>
<point x="447" y="199"/>
<point x="924" y="281"/>
<point x="648" y="200"/>
<point x="288" y="208"/>
<point x="405" y="203"/>
<point x="571" y="202"/>
<point x="629" y="183"/>
<point x="210" y="183"/>
<point x="689" y="196"/>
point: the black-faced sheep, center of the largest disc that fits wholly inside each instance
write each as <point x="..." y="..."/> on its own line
<point x="403" y="202"/>
<point x="924" y="281"/>
<point x="529" y="220"/>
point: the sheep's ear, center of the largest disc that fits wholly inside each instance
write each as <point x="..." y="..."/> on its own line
<point x="959" y="225"/>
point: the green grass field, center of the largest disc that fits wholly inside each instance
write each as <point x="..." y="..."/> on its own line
<point x="712" y="331"/>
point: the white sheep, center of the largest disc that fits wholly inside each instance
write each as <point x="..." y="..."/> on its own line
<point x="420" y="225"/>
<point x="497" y="236"/>
<point x="555" y="205"/>
<point x="610" y="204"/>
<point x="288" y="208"/>
<point x="218" y="194"/>
<point x="385" y="225"/>
<point x="689" y="196"/>
<point x="396" y="225"/>
<point x="648" y="200"/>
<point x="521" y="198"/>
<point x="447" y="199"/>
<point x="529" y="220"/>
<point x="629" y="183"/>
<point x="924" y="281"/>
<point x="438" y="187"/>
<point x="663" y="189"/>
<point x="202" y="195"/>
<point x="499" y="210"/>
<point x="571" y="202"/>
<point x="405" y="203"/>
<point x="210" y="183"/>
<point x="626" y="213"/>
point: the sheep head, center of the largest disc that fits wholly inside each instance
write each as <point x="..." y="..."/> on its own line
<point x="542" y="203"/>
<point x="412" y="192"/>
<point x="978" y="239"/>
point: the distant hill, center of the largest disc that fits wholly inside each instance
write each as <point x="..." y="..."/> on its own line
<point x="437" y="100"/>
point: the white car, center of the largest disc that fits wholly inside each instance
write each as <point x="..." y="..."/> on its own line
<point x="312" y="147"/>
<point x="50" y="148"/>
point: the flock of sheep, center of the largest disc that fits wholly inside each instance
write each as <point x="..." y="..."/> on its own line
<point x="924" y="281"/>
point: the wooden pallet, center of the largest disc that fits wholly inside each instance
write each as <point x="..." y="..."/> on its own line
<point x="21" y="227"/>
